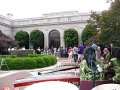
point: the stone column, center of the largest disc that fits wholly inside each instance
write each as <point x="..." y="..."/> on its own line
<point x="46" y="40"/>
<point x="62" y="39"/>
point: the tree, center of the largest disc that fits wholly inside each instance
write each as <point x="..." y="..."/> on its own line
<point x="88" y="32"/>
<point x="23" y="39"/>
<point x="108" y="23"/>
<point x="70" y="37"/>
<point x="6" y="42"/>
<point x="90" y="29"/>
<point x="37" y="39"/>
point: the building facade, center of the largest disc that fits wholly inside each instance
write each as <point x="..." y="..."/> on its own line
<point x="52" y="25"/>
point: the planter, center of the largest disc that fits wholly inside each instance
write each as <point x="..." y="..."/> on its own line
<point x="88" y="84"/>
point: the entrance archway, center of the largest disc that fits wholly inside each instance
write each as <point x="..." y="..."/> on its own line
<point x="54" y="39"/>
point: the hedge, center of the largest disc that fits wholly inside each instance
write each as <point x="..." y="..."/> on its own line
<point x="8" y="56"/>
<point x="40" y="62"/>
<point x="36" y="55"/>
<point x="29" y="62"/>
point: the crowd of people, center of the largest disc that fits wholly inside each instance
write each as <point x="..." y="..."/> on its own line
<point x="75" y="53"/>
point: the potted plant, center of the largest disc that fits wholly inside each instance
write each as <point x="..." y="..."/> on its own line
<point x="115" y="64"/>
<point x="86" y="76"/>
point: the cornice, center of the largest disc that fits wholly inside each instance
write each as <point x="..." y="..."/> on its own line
<point x="49" y="24"/>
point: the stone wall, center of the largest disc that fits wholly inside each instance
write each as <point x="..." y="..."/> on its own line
<point x="6" y="26"/>
<point x="48" y="22"/>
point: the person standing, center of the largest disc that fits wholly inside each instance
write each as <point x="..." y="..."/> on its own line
<point x="55" y="50"/>
<point x="105" y="52"/>
<point x="80" y="52"/>
<point x="94" y="46"/>
<point x="70" y="53"/>
<point x="75" y="53"/>
<point x="9" y="50"/>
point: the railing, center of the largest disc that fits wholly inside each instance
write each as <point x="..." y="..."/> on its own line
<point x="72" y="78"/>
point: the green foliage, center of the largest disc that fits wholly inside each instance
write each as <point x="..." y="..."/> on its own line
<point x="115" y="64"/>
<point x="22" y="53"/>
<point x="16" y="64"/>
<point x="40" y="62"/>
<point x="22" y="37"/>
<point x="86" y="73"/>
<point x="36" y="55"/>
<point x="108" y="23"/>
<point x="8" y="56"/>
<point x="53" y="59"/>
<point x="90" y="29"/>
<point x="37" y="39"/>
<point x="47" y="60"/>
<point x="70" y="37"/>
<point x="88" y="32"/>
<point x="29" y="62"/>
<point x="13" y="63"/>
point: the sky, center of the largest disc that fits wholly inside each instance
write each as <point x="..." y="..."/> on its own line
<point x="35" y="8"/>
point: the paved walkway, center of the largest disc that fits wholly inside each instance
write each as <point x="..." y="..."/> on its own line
<point x="7" y="78"/>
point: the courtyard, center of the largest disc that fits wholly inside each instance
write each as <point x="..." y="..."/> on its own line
<point x="81" y="48"/>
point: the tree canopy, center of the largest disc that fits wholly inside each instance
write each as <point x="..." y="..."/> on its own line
<point x="70" y="37"/>
<point x="22" y="37"/>
<point x="37" y="39"/>
<point x="108" y="23"/>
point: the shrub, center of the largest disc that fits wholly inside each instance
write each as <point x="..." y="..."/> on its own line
<point x="53" y="59"/>
<point x="36" y="55"/>
<point x="4" y="67"/>
<point x="28" y="62"/>
<point x="40" y="62"/>
<point x="47" y="60"/>
<point x="115" y="64"/>
<point x="8" y="56"/>
<point x="18" y="63"/>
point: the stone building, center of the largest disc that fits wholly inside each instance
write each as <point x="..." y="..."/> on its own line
<point x="51" y="24"/>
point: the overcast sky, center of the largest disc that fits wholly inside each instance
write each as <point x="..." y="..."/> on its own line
<point x="35" y="8"/>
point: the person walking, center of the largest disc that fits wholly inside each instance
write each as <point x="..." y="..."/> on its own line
<point x="75" y="53"/>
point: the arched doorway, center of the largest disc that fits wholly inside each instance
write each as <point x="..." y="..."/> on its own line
<point x="54" y="39"/>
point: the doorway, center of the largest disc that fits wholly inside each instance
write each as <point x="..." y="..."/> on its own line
<point x="54" y="39"/>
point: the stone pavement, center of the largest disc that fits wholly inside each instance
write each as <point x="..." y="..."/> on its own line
<point x="7" y="78"/>
<point x="7" y="81"/>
